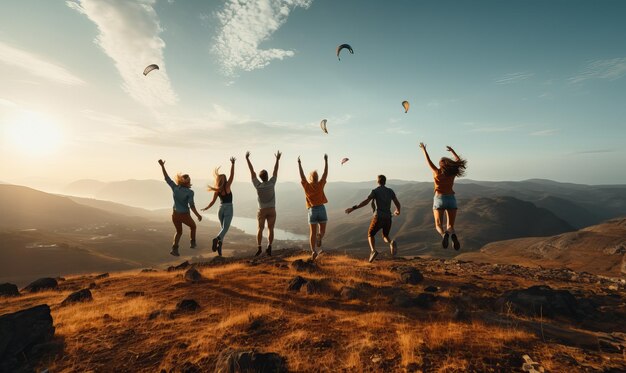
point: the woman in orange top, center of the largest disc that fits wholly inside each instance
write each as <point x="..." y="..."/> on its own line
<point x="444" y="199"/>
<point x="315" y="200"/>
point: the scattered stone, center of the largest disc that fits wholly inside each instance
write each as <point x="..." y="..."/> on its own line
<point x="296" y="283"/>
<point x="431" y="289"/>
<point x="80" y="296"/>
<point x="405" y="300"/>
<point x="101" y="276"/>
<point x="218" y="260"/>
<point x="540" y="300"/>
<point x="20" y="332"/>
<point x="154" y="314"/>
<point x="108" y="318"/>
<point x="410" y="275"/>
<point x="187" y="305"/>
<point x="348" y="293"/>
<point x="192" y="275"/>
<point x="182" y="265"/>
<point x="376" y="359"/>
<point x="321" y="286"/>
<point x="148" y="270"/>
<point x="42" y="284"/>
<point x="232" y="361"/>
<point x="92" y="285"/>
<point x="531" y="366"/>
<point x="9" y="290"/>
<point x="134" y="294"/>
<point x="302" y="265"/>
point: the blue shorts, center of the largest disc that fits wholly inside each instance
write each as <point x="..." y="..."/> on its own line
<point x="444" y="202"/>
<point x="317" y="214"/>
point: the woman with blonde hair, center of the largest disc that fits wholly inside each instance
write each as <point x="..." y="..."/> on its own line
<point x="444" y="199"/>
<point x="315" y="200"/>
<point x="222" y="190"/>
<point x="183" y="202"/>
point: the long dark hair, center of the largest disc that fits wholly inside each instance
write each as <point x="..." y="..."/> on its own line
<point x="449" y="167"/>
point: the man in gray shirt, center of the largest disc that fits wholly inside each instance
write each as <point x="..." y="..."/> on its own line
<point x="267" y="203"/>
<point x="382" y="198"/>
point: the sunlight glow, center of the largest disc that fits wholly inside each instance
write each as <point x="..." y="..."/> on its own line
<point x="33" y="134"/>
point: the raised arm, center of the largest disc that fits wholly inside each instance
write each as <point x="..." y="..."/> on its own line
<point x="302" y="177"/>
<point x="162" y="163"/>
<point x="397" y="203"/>
<point x="277" y="155"/>
<point x="325" y="174"/>
<point x="232" y="172"/>
<point x="212" y="202"/>
<point x="364" y="203"/>
<point x="456" y="157"/>
<point x="252" y="173"/>
<point x="430" y="163"/>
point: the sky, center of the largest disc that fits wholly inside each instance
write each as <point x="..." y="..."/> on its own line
<point x="521" y="89"/>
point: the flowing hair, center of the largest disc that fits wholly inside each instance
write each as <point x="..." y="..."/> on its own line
<point x="449" y="167"/>
<point x="183" y="180"/>
<point x="220" y="182"/>
<point x="313" y="177"/>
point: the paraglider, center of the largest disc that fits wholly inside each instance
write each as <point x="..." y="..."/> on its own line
<point x="344" y="46"/>
<point x="150" y="68"/>
<point x="323" y="126"/>
<point x="344" y="160"/>
<point x="405" y="105"/>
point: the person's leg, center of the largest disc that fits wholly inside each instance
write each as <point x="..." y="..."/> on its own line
<point x="451" y="217"/>
<point x="188" y="221"/>
<point x="312" y="236"/>
<point x="439" y="221"/>
<point x="227" y="218"/>
<point x="322" y="218"/>
<point x="371" y="240"/>
<point x="271" y="221"/>
<point x="259" y="232"/>
<point x="179" y="232"/>
<point x="392" y="243"/>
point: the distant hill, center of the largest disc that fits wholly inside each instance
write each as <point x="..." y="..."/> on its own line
<point x="599" y="249"/>
<point x="117" y="208"/>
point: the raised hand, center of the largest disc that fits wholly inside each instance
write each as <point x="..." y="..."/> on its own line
<point x="299" y="160"/>
<point x="278" y="154"/>
<point x="449" y="148"/>
<point x="232" y="160"/>
<point x="422" y="146"/>
<point x="326" y="157"/>
<point x="349" y="210"/>
<point x="247" y="154"/>
<point x="161" y="162"/>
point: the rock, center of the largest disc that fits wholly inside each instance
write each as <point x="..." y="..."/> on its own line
<point x="134" y="294"/>
<point x="235" y="361"/>
<point x="431" y="289"/>
<point x="218" y="260"/>
<point x="540" y="300"/>
<point x="46" y="283"/>
<point x="410" y="275"/>
<point x="9" y="290"/>
<point x="148" y="270"/>
<point x="301" y="265"/>
<point x="80" y="296"/>
<point x="154" y="314"/>
<point x="348" y="293"/>
<point x="101" y="276"/>
<point x="296" y="283"/>
<point x="187" y="305"/>
<point x="192" y="275"/>
<point x="425" y="300"/>
<point x="92" y="285"/>
<point x="321" y="286"/>
<point x="20" y="332"/>
<point x="182" y="265"/>
<point x="405" y="300"/>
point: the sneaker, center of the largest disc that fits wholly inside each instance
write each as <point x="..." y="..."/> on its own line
<point x="444" y="241"/>
<point x="174" y="250"/>
<point x="393" y="246"/>
<point x="314" y="255"/>
<point x="219" y="247"/>
<point x="319" y="240"/>
<point x="373" y="255"/>
<point x="214" y="245"/>
<point x="269" y="250"/>
<point x="192" y="245"/>
<point x="258" y="251"/>
<point x="455" y="242"/>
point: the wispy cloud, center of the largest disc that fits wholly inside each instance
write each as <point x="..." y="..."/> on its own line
<point x="547" y="132"/>
<point x="246" y="24"/>
<point x="129" y="34"/>
<point x="36" y="65"/>
<point x="491" y="129"/>
<point x="595" y="151"/>
<point x="515" y="77"/>
<point x="611" y="69"/>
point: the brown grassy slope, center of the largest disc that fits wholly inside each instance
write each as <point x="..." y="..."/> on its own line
<point x="599" y="249"/>
<point x="244" y="304"/>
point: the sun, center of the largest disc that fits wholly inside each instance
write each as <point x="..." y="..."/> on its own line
<point x="33" y="134"/>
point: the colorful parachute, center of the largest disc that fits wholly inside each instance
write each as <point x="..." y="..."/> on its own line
<point x="150" y="68"/>
<point x="344" y="160"/>
<point x="405" y="105"/>
<point x="344" y="46"/>
<point x="323" y="126"/>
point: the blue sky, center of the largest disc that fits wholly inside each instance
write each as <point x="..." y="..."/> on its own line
<point x="522" y="89"/>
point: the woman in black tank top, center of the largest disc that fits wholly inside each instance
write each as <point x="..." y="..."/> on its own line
<point x="225" y="214"/>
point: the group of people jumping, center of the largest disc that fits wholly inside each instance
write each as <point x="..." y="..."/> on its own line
<point x="381" y="198"/>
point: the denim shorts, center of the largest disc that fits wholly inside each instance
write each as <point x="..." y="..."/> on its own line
<point x="444" y="202"/>
<point x="317" y="214"/>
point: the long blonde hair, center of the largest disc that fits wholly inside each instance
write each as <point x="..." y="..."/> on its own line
<point x="183" y="180"/>
<point x="450" y="167"/>
<point x="220" y="182"/>
<point x="313" y="177"/>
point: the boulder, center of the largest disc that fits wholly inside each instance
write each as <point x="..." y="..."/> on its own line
<point x="42" y="284"/>
<point x="235" y="361"/>
<point x="182" y="265"/>
<point x="148" y="270"/>
<point x="101" y="276"/>
<point x="20" y="332"/>
<point x="192" y="275"/>
<point x="431" y="289"/>
<point x="9" y="290"/>
<point x="296" y="283"/>
<point x="410" y="275"/>
<point x="321" y="286"/>
<point x="80" y="296"/>
<point x="187" y="305"/>
<point x="540" y="300"/>
<point x="303" y="266"/>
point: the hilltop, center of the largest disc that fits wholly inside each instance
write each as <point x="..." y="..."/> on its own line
<point x="340" y="314"/>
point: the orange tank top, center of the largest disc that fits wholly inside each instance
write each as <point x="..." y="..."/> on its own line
<point x="443" y="184"/>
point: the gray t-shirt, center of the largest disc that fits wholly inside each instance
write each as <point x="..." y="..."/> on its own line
<point x="265" y="192"/>
<point x="383" y="197"/>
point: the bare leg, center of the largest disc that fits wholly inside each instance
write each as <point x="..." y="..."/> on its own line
<point x="439" y="221"/>
<point x="451" y="217"/>
<point x="270" y="227"/>
<point x="322" y="231"/>
<point x="372" y="242"/>
<point x="312" y="236"/>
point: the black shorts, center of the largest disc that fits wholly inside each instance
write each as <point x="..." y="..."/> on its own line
<point x="379" y="223"/>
